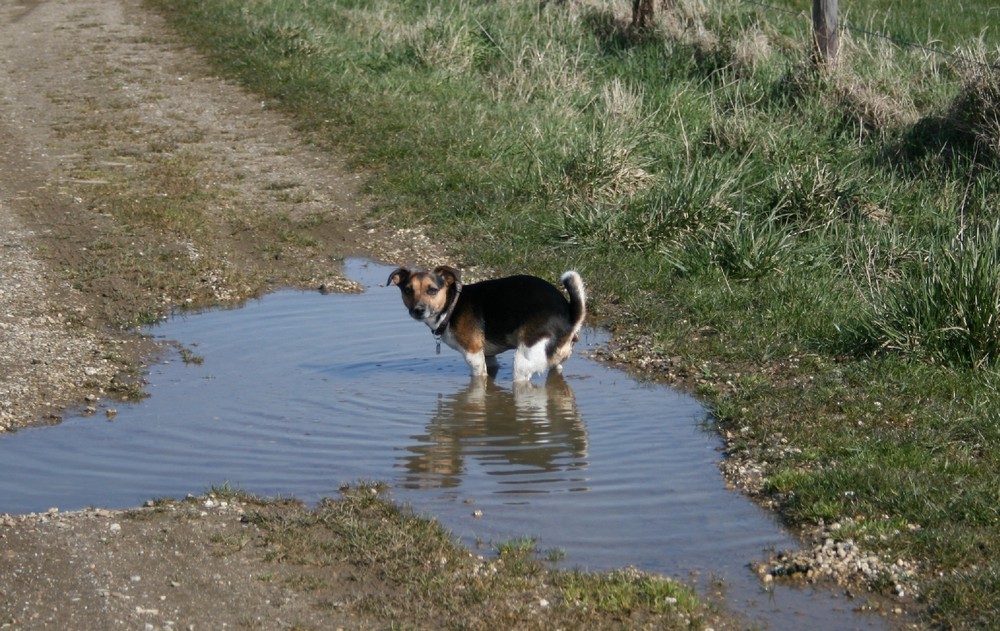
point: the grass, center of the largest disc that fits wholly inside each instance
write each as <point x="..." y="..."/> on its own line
<point x="407" y="568"/>
<point x="816" y="247"/>
<point x="943" y="26"/>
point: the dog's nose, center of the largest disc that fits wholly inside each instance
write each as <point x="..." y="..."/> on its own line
<point x="418" y="311"/>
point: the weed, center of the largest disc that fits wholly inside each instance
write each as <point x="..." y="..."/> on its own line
<point x="188" y="356"/>
<point x="748" y="249"/>
<point x="554" y="555"/>
<point x="623" y="591"/>
<point x="944" y="307"/>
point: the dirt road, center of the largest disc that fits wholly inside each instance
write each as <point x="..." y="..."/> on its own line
<point x="133" y="182"/>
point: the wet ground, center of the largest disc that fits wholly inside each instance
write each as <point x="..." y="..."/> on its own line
<point x="300" y="392"/>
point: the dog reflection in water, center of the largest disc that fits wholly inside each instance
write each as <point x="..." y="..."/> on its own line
<point x="528" y="430"/>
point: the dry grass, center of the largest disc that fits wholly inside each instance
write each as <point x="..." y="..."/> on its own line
<point x="976" y="110"/>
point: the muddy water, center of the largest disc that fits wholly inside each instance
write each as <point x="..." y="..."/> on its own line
<point x="299" y="393"/>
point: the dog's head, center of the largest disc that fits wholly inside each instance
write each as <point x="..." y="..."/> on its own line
<point x="426" y="294"/>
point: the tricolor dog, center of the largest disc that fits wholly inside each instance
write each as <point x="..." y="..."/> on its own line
<point x="484" y="319"/>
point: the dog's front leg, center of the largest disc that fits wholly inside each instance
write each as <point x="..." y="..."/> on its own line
<point x="477" y="362"/>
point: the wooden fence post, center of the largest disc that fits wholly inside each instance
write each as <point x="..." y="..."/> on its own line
<point x="642" y="12"/>
<point x="825" y="35"/>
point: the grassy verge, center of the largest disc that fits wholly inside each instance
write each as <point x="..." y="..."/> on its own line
<point x="814" y="252"/>
<point x="408" y="572"/>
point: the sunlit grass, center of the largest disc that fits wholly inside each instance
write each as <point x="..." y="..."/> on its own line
<point x="441" y="583"/>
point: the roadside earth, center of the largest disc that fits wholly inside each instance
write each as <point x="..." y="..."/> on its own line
<point x="164" y="568"/>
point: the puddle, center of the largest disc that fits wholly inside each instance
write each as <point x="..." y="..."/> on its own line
<point x="300" y="392"/>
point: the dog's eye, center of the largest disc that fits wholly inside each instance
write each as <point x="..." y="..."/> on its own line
<point x="432" y="291"/>
<point x="407" y="290"/>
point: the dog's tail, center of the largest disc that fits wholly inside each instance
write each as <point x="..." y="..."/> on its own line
<point x="577" y="301"/>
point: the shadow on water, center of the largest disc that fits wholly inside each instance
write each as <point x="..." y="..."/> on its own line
<point x="300" y="392"/>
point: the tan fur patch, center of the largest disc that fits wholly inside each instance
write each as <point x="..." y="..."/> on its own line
<point x="467" y="332"/>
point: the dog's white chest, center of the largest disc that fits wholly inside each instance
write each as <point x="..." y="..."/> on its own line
<point x="450" y="340"/>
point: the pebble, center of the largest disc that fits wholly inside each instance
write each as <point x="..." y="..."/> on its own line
<point x="842" y="561"/>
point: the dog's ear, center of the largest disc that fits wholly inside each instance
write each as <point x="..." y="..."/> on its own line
<point x="450" y="275"/>
<point x="398" y="277"/>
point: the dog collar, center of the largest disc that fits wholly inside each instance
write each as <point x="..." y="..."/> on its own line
<point x="439" y="331"/>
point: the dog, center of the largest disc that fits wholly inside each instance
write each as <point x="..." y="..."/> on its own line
<point x="481" y="320"/>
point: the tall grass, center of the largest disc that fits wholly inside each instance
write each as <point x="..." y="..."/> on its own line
<point x="821" y="244"/>
<point x="944" y="306"/>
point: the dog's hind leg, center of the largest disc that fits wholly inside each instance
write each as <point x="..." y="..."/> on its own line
<point x="530" y="359"/>
<point x="561" y="353"/>
<point x="492" y="365"/>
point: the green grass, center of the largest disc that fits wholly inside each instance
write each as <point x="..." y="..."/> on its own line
<point x="408" y="568"/>
<point x="820" y="245"/>
<point x="943" y="25"/>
